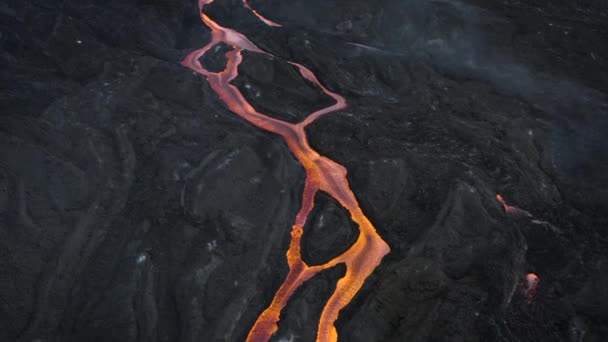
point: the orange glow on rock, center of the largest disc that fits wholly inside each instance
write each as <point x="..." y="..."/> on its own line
<point x="508" y="208"/>
<point x="322" y="174"/>
<point x="511" y="210"/>
<point x="529" y="286"/>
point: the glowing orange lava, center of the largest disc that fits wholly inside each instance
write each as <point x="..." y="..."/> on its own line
<point x="508" y="209"/>
<point x="322" y="174"/>
<point x="529" y="286"/>
<point x="511" y="210"/>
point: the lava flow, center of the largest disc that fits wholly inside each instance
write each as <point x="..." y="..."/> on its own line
<point x="529" y="286"/>
<point x="322" y="174"/>
<point x="511" y="210"/>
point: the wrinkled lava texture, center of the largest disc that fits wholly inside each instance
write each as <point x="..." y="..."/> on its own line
<point x="135" y="206"/>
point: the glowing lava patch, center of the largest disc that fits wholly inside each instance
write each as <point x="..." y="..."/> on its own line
<point x="511" y="210"/>
<point x="322" y="174"/>
<point x="529" y="286"/>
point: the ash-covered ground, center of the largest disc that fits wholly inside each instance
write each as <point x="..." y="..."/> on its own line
<point x="134" y="206"/>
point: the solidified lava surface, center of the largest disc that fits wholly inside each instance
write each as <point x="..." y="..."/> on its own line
<point x="151" y="192"/>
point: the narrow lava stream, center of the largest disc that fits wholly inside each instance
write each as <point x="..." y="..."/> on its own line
<point x="322" y="174"/>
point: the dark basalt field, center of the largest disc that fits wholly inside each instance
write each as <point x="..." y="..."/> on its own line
<point x="134" y="206"/>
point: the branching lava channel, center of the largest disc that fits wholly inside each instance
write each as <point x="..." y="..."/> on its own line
<point x="322" y="174"/>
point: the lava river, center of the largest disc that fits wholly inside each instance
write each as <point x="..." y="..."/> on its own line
<point x="322" y="174"/>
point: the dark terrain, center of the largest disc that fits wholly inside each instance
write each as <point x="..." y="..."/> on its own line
<point x="135" y="207"/>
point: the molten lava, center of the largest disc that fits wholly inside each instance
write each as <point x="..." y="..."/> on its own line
<point x="511" y="210"/>
<point x="529" y="285"/>
<point x="322" y="174"/>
